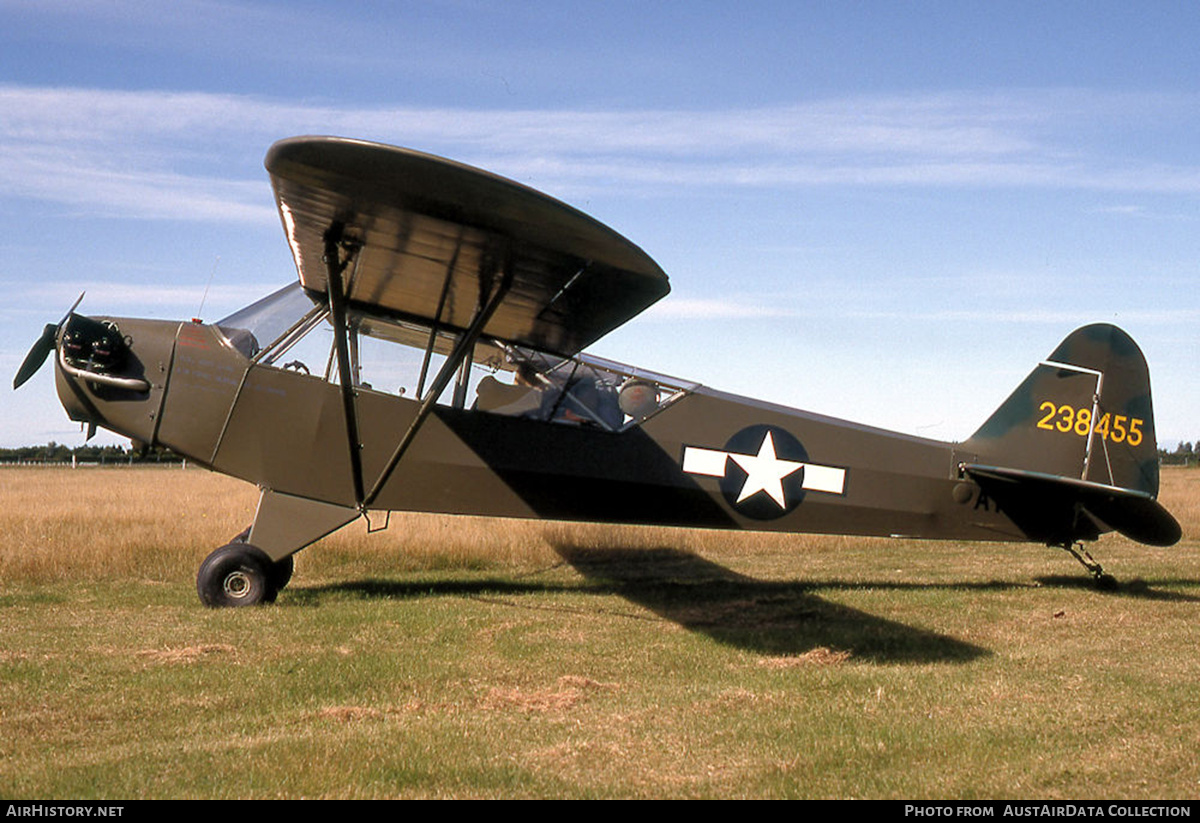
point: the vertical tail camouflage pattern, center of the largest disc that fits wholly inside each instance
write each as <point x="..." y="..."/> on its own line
<point x="1071" y="453"/>
<point x="1083" y="413"/>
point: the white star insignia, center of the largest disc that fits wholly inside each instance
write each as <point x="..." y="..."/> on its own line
<point x="765" y="471"/>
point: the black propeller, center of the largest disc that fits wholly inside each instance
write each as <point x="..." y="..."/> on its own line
<point x="37" y="355"/>
<point x="41" y="348"/>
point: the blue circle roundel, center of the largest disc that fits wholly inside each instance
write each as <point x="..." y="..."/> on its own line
<point x="764" y="473"/>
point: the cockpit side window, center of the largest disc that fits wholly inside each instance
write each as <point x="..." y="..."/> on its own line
<point x="581" y="390"/>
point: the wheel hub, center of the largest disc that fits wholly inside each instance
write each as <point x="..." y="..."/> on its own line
<point x="237" y="584"/>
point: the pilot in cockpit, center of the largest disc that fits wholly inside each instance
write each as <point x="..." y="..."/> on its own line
<point x="523" y="398"/>
<point x="548" y="396"/>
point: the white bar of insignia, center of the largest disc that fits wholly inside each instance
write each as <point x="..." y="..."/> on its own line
<point x="824" y="478"/>
<point x="709" y="462"/>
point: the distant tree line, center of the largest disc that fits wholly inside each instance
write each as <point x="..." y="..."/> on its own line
<point x="58" y="453"/>
<point x="1185" y="454"/>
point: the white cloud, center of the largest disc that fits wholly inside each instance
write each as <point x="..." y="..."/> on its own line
<point x="91" y="185"/>
<point x="684" y="308"/>
<point x="195" y="155"/>
<point x="47" y="301"/>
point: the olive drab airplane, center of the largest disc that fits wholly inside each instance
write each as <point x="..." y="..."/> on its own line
<point x="429" y="359"/>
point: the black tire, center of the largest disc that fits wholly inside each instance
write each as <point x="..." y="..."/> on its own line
<point x="235" y="575"/>
<point x="280" y="573"/>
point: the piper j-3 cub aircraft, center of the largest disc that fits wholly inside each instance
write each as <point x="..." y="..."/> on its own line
<point x="429" y="359"/>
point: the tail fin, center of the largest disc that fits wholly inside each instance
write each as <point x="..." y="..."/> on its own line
<point x="1084" y="412"/>
<point x="1077" y="436"/>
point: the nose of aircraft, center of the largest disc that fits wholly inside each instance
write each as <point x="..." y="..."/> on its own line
<point x="110" y="372"/>
<point x="113" y="372"/>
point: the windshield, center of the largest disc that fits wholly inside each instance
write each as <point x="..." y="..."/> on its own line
<point x="264" y="321"/>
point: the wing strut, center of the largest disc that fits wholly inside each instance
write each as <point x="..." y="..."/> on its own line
<point x="334" y="266"/>
<point x="437" y="316"/>
<point x="487" y="306"/>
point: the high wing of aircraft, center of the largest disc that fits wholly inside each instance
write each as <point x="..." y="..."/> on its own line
<point x="428" y="358"/>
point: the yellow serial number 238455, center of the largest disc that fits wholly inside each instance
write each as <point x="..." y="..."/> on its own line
<point x="1066" y="419"/>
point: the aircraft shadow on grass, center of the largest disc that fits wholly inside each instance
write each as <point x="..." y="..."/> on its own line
<point x="766" y="617"/>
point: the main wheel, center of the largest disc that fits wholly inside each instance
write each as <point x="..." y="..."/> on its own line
<point x="235" y="575"/>
<point x="280" y="573"/>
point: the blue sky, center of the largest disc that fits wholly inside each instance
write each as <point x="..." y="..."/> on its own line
<point x="887" y="212"/>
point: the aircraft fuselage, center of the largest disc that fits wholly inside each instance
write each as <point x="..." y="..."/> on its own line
<point x="709" y="459"/>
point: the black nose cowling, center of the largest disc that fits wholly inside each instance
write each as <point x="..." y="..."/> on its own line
<point x="112" y="372"/>
<point x="93" y="345"/>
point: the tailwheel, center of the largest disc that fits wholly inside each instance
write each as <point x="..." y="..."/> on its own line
<point x="236" y="575"/>
<point x="1102" y="579"/>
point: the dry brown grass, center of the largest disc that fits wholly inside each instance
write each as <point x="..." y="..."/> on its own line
<point x="90" y="523"/>
<point x="157" y="524"/>
<point x="819" y="656"/>
<point x="1180" y="493"/>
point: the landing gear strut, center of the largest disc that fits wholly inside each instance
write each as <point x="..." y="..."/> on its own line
<point x="1102" y="579"/>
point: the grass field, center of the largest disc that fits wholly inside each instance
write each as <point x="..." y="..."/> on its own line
<point x="459" y="657"/>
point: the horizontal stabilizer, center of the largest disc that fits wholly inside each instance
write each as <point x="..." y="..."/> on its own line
<point x="1061" y="510"/>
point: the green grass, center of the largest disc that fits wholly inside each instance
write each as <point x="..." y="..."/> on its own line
<point x="764" y="667"/>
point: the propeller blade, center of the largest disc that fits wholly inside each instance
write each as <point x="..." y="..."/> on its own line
<point x="74" y="306"/>
<point x="42" y="347"/>
<point x="37" y="355"/>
